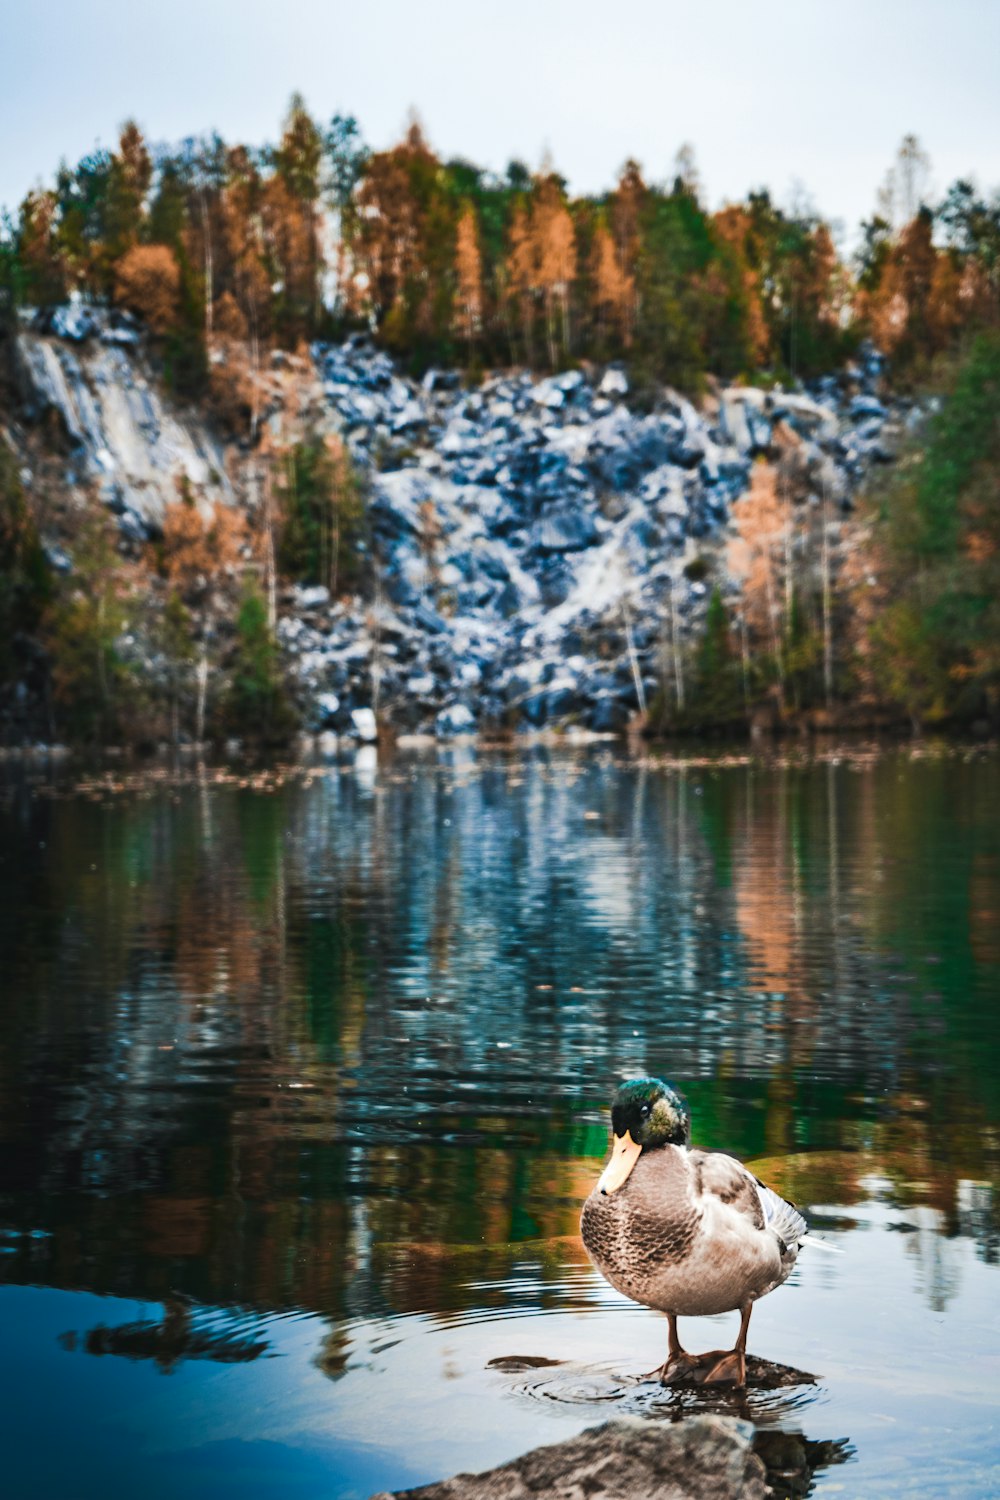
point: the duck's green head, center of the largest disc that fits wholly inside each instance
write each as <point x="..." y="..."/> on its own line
<point x="645" y="1113"/>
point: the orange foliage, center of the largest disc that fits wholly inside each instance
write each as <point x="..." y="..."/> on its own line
<point x="147" y="281"/>
<point x="541" y="262"/>
<point x="760" y="517"/>
<point x="200" y="543"/>
<point x="614" y="291"/>
<point x="469" y="272"/>
<point x="732" y="225"/>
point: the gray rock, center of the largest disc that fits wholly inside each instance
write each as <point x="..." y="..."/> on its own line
<point x="565" y="529"/>
<point x="73" y="321"/>
<point x="327" y="705"/>
<point x="456" y="719"/>
<point x="548" y="394"/>
<point x="627" y="1459"/>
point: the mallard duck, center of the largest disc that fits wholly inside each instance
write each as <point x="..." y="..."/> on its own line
<point x="688" y="1232"/>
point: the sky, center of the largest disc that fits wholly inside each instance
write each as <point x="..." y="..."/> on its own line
<point x="778" y="92"/>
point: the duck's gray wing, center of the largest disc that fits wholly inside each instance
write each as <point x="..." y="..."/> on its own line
<point x="728" y="1180"/>
<point x="781" y="1216"/>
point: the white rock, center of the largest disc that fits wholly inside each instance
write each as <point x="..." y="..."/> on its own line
<point x="614" y="383"/>
<point x="365" y="727"/>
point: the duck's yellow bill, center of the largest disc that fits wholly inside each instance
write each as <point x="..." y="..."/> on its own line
<point x="624" y="1155"/>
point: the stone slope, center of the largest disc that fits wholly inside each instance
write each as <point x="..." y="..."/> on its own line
<point x="530" y="537"/>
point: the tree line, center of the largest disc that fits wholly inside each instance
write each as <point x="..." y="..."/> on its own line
<point x="231" y="251"/>
<point x="448" y="263"/>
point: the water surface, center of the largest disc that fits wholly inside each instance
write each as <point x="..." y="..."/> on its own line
<point x="303" y="1079"/>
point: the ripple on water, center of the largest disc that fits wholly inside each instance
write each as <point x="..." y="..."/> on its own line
<point x="773" y="1392"/>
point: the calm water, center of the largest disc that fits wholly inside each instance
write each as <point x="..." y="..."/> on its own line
<point x="302" y="1084"/>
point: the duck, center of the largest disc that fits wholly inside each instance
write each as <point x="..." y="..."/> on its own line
<point x="685" y="1231"/>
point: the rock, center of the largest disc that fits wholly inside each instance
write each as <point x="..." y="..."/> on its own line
<point x="867" y="406"/>
<point x="614" y="382"/>
<point x="312" y="598"/>
<point x="626" y="1459"/>
<point x="571" y="380"/>
<point x="327" y="705"/>
<point x="363" y="724"/>
<point x="457" y="719"/>
<point x="121" y="431"/>
<point x="608" y="714"/>
<point x="524" y="513"/>
<point x="398" y="497"/>
<point x="548" y="394"/>
<point x="562" y="529"/>
<point x="56" y="558"/>
<point x="73" y="321"/>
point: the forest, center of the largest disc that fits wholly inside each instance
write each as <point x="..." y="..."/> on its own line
<point x="227" y="252"/>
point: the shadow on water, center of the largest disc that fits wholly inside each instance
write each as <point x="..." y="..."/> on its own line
<point x="330" y="1052"/>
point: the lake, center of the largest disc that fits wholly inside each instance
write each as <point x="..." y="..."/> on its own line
<point x="304" y="1077"/>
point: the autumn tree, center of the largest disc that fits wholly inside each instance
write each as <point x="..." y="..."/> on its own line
<point x="469" y="275"/>
<point x="554" y="243"/>
<point x="612" y="292"/>
<point x="44" y="268"/>
<point x="520" y="275"/>
<point x="147" y="281"/>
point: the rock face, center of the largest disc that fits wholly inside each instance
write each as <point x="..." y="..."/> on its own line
<point x="530" y="538"/>
<point x="118" y="432"/>
<point x="516" y="526"/>
<point x="628" y="1459"/>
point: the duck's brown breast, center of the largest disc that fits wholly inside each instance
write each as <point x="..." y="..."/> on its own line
<point x="639" y="1234"/>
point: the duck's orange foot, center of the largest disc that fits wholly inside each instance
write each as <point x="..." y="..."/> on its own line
<point x="724" y="1367"/>
<point x="680" y="1369"/>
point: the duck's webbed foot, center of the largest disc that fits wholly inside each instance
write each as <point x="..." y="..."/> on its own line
<point x="723" y="1367"/>
<point x="680" y="1369"/>
<point x="729" y="1366"/>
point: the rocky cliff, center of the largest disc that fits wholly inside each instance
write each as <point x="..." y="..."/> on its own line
<point x="530" y="538"/>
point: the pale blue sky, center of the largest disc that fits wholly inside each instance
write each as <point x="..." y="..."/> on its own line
<point x="767" y="92"/>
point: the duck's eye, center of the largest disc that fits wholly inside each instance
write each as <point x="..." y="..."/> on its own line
<point x="644" y="1111"/>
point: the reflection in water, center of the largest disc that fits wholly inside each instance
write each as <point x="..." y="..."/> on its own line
<point x="178" y="1336"/>
<point x="342" y="1041"/>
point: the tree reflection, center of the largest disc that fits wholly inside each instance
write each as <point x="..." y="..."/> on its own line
<point x="338" y="1046"/>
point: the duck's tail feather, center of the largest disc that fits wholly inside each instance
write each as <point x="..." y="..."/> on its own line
<point x="811" y="1243"/>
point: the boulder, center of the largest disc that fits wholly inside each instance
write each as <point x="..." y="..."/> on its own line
<point x="73" y="321"/>
<point x="614" y="382"/>
<point x="456" y="719"/>
<point x="363" y="724"/>
<point x="626" y="1459"/>
<point x="564" y="529"/>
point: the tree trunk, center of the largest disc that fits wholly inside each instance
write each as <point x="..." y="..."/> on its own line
<point x="270" y="574"/>
<point x="201" y="677"/>
<point x="675" y="645"/>
<point x="640" y="691"/>
<point x="827" y="615"/>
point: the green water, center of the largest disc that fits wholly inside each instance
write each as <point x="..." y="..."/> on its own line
<point x="303" y="1080"/>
